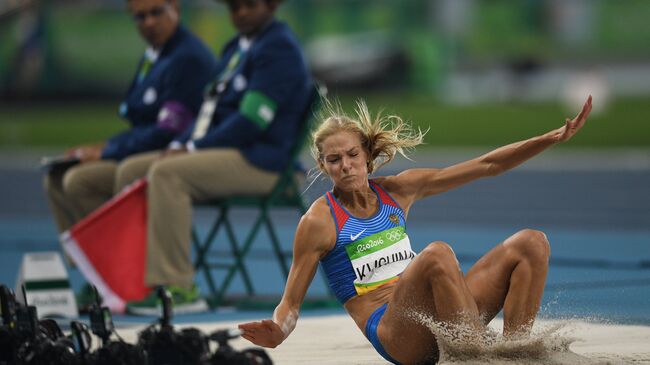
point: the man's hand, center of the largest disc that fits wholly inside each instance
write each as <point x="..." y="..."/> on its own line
<point x="86" y="153"/>
<point x="265" y="333"/>
<point x="173" y="152"/>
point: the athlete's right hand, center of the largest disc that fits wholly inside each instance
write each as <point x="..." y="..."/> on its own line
<point x="265" y="333"/>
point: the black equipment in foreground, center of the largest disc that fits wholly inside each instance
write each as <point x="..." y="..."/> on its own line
<point x="101" y="321"/>
<point x="8" y="336"/>
<point x="26" y="340"/>
<point x="111" y="352"/>
<point x="225" y="354"/>
<point x="165" y="345"/>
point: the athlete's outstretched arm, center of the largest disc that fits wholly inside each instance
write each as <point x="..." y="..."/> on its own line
<point x="313" y="238"/>
<point x="414" y="184"/>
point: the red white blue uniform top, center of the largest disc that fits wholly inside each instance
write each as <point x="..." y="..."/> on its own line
<point x="369" y="252"/>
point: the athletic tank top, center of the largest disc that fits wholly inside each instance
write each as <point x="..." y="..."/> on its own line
<point x="369" y="252"/>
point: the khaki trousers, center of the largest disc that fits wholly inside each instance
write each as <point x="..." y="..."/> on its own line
<point x="75" y="192"/>
<point x="174" y="184"/>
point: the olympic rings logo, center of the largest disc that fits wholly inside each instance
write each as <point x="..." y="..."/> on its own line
<point x="394" y="235"/>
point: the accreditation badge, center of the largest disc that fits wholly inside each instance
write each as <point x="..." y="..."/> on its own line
<point x="204" y="118"/>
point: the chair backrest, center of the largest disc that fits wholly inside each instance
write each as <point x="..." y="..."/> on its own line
<point x="287" y="180"/>
<point x="308" y="119"/>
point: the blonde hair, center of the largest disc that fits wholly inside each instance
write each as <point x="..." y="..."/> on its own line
<point x="382" y="136"/>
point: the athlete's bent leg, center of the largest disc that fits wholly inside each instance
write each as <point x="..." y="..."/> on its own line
<point x="512" y="277"/>
<point x="433" y="286"/>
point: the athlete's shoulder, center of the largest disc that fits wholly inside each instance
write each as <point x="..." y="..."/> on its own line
<point x="318" y="217"/>
<point x="317" y="224"/>
<point x="393" y="190"/>
<point x="318" y="211"/>
<point x="388" y="183"/>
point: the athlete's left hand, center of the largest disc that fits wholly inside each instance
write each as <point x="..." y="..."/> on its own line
<point x="265" y="333"/>
<point x="572" y="126"/>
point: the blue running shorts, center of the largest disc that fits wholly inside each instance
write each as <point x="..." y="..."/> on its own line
<point x="371" y="332"/>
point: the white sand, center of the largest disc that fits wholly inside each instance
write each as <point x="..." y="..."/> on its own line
<point x="336" y="340"/>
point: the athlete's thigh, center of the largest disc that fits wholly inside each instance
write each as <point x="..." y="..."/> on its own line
<point x="488" y="281"/>
<point x="214" y="173"/>
<point x="403" y="329"/>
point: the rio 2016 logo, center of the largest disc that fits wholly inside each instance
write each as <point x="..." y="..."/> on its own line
<point x="369" y="245"/>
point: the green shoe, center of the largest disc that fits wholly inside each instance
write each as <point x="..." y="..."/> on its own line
<point x="183" y="302"/>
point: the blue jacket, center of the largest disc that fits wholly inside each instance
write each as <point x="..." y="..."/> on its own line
<point x="260" y="110"/>
<point x="179" y="75"/>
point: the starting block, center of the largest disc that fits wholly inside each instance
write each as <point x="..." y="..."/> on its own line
<point x="45" y="281"/>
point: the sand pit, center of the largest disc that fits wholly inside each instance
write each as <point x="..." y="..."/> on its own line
<point x="336" y="340"/>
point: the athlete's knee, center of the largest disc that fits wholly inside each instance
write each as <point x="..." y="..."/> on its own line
<point x="533" y="245"/>
<point x="439" y="259"/>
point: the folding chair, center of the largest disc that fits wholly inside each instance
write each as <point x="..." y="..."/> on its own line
<point x="285" y="194"/>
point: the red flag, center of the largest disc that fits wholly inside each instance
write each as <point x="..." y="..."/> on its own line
<point x="109" y="247"/>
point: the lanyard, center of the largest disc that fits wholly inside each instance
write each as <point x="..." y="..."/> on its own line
<point x="150" y="57"/>
<point x="212" y="96"/>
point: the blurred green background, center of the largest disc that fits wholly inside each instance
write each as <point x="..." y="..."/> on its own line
<point x="476" y="72"/>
